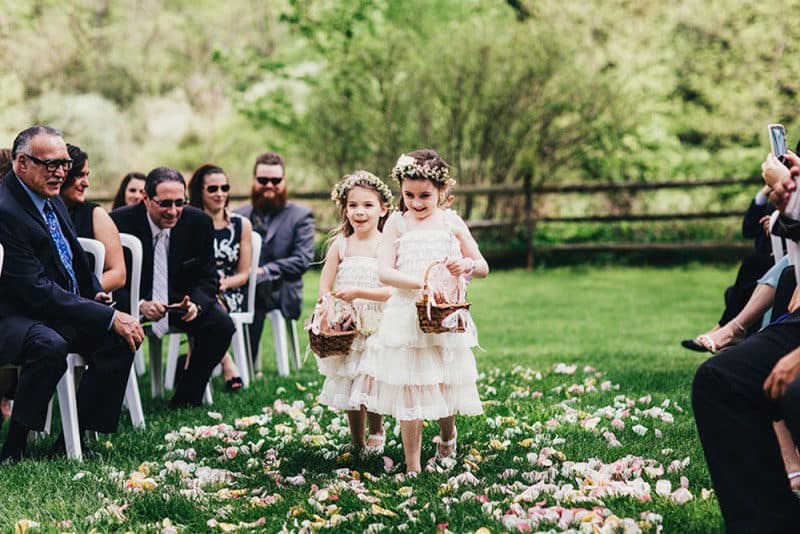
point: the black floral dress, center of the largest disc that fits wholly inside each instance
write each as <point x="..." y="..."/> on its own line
<point x="227" y="244"/>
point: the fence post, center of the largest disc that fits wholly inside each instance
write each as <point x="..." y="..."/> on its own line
<point x="529" y="223"/>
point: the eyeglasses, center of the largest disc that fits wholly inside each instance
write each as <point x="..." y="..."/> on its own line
<point x="168" y="202"/>
<point x="51" y="164"/>
<point x="264" y="180"/>
<point x="214" y="188"/>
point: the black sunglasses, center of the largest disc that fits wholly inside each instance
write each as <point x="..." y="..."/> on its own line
<point x="264" y="180"/>
<point x="214" y="188"/>
<point x="51" y="164"/>
<point x="168" y="203"/>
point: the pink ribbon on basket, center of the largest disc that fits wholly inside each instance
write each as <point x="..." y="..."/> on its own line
<point x="462" y="317"/>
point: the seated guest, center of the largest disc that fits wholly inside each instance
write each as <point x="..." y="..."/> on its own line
<point x="737" y="395"/>
<point x="130" y="192"/>
<point x="5" y="161"/>
<point x="208" y="190"/>
<point x="8" y="377"/>
<point x="178" y="272"/>
<point x="729" y="330"/>
<point x="287" y="249"/>
<point x="47" y="306"/>
<point x="91" y="220"/>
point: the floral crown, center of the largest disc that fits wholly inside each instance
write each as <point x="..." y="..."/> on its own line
<point x="363" y="178"/>
<point x="407" y="167"/>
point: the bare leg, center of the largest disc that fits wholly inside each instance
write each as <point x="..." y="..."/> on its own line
<point x="357" y="418"/>
<point x="788" y="451"/>
<point x="412" y="444"/>
<point x="447" y="431"/>
<point x="735" y="330"/>
<point x="229" y="369"/>
<point x="375" y="427"/>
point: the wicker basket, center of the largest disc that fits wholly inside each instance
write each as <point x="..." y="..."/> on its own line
<point x="331" y="343"/>
<point x="438" y="312"/>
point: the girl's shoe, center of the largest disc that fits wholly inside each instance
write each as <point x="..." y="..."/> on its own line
<point x="441" y="443"/>
<point x="715" y="341"/>
<point x="375" y="450"/>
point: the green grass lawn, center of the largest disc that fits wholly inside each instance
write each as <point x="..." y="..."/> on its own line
<point x="542" y="444"/>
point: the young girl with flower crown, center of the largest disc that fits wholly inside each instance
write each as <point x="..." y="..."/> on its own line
<point x="350" y="273"/>
<point x="404" y="372"/>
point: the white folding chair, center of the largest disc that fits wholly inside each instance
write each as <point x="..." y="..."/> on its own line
<point x="132" y="399"/>
<point x="239" y="343"/>
<point x="2" y="257"/>
<point x="240" y="319"/>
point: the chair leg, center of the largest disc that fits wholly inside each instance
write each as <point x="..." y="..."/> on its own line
<point x="208" y="400"/>
<point x="294" y="343"/>
<point x="156" y="377"/>
<point x="240" y="354"/>
<point x="281" y="344"/>
<point x="172" y="360"/>
<point x="138" y="361"/>
<point x="48" y="420"/>
<point x="68" y="406"/>
<point x="133" y="401"/>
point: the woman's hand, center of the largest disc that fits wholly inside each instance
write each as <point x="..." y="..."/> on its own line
<point x="223" y="283"/>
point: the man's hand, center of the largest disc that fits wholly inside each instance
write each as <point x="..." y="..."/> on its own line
<point x="347" y="293"/>
<point x="192" y="308"/>
<point x="784" y="373"/>
<point x="152" y="310"/>
<point x="128" y="329"/>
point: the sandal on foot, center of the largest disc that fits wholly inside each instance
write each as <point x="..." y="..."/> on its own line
<point x="708" y="341"/>
<point x="375" y="450"/>
<point x="793" y="475"/>
<point x="442" y="443"/>
<point x="234" y="384"/>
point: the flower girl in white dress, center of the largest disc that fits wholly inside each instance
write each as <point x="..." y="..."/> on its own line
<point x="351" y="274"/>
<point x="404" y="372"/>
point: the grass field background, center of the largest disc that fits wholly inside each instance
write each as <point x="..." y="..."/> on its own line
<point x="625" y="323"/>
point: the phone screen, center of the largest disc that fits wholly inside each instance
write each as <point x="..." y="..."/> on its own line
<point x="777" y="138"/>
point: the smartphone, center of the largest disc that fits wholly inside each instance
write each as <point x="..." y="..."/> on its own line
<point x="177" y="309"/>
<point x="777" y="140"/>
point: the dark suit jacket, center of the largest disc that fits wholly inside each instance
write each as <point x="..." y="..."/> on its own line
<point x="190" y="261"/>
<point x="33" y="283"/>
<point x="753" y="230"/>
<point x="286" y="252"/>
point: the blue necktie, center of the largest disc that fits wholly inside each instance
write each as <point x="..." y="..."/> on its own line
<point x="64" y="252"/>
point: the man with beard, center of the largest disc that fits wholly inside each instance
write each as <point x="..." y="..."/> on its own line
<point x="287" y="249"/>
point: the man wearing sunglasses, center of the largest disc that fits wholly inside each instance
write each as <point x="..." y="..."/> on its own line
<point x="287" y="249"/>
<point x="47" y="299"/>
<point x="179" y="277"/>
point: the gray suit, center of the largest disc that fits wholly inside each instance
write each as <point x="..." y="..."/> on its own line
<point x="286" y="252"/>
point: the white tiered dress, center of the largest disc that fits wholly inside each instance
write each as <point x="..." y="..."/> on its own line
<point x="404" y="372"/>
<point x="339" y="371"/>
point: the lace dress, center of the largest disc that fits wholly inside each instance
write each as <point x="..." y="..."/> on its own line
<point x="404" y="372"/>
<point x="339" y="371"/>
<point x="227" y="244"/>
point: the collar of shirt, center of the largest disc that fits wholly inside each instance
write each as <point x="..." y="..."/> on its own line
<point x="37" y="199"/>
<point x="155" y="230"/>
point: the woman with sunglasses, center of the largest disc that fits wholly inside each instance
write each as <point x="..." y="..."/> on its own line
<point x="208" y="190"/>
